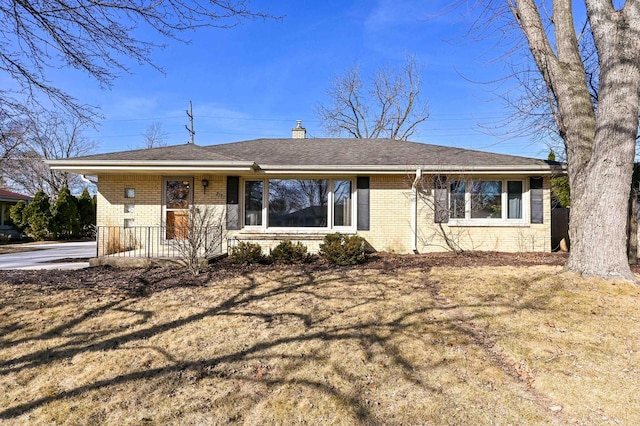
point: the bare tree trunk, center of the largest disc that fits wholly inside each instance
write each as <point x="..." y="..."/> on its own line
<point x="600" y="139"/>
<point x="600" y="188"/>
<point x="598" y="224"/>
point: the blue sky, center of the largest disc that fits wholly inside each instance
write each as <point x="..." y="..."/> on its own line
<point x="257" y="79"/>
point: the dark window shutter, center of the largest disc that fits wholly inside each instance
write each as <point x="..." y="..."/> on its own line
<point x="363" y="203"/>
<point x="440" y="200"/>
<point x="537" y="199"/>
<point x="233" y="208"/>
<point x="233" y="184"/>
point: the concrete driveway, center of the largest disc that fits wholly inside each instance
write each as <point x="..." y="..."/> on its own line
<point x="44" y="256"/>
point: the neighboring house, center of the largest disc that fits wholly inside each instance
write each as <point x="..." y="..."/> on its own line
<point x="400" y="196"/>
<point x="9" y="199"/>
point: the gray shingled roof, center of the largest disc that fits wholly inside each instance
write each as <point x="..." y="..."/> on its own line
<point x="315" y="153"/>
<point x="359" y="152"/>
<point x="186" y="152"/>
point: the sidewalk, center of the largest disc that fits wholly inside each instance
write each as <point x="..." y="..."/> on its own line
<point x="44" y="256"/>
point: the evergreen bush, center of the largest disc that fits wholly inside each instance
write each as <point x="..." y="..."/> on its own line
<point x="17" y="215"/>
<point x="247" y="253"/>
<point x="340" y="249"/>
<point x="65" y="223"/>
<point x="288" y="253"/>
<point x="87" y="214"/>
<point x="37" y="215"/>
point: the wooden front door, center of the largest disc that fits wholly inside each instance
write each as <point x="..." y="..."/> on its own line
<point x="177" y="196"/>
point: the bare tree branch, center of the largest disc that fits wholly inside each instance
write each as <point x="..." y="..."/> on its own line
<point x="155" y="136"/>
<point x="44" y="137"/>
<point x="390" y="106"/>
<point x="95" y="37"/>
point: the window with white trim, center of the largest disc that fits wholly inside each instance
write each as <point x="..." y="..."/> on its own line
<point x="299" y="203"/>
<point x="486" y="200"/>
<point x="253" y="199"/>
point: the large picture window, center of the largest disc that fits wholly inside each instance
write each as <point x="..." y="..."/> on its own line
<point x="486" y="200"/>
<point x="299" y="203"/>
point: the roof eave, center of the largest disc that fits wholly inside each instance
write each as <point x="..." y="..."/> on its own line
<point x="14" y="199"/>
<point x="172" y="166"/>
<point x="177" y="166"/>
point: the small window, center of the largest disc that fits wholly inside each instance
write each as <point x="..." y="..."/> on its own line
<point x="129" y="208"/>
<point x="253" y="193"/>
<point x="458" y="207"/>
<point x="342" y="203"/>
<point x="129" y="193"/>
<point x="178" y="194"/>
<point x="129" y="223"/>
<point x="514" y="199"/>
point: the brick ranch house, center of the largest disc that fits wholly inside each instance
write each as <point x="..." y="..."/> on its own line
<point x="399" y="196"/>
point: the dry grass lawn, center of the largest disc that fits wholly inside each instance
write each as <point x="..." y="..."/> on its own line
<point x="476" y="346"/>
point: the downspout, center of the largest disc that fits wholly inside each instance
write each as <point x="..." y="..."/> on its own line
<point x="414" y="210"/>
<point x="87" y="180"/>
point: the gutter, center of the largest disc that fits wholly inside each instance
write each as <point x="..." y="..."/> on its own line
<point x="91" y="167"/>
<point x="312" y="169"/>
<point x="414" y="210"/>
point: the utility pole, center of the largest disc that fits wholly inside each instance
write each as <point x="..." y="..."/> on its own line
<point x="190" y="128"/>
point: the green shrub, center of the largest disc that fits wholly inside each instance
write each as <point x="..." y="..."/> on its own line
<point x="287" y="252"/>
<point x="64" y="223"/>
<point x="87" y="214"/>
<point x="247" y="253"/>
<point x="340" y="249"/>
<point x="17" y="215"/>
<point x="37" y="215"/>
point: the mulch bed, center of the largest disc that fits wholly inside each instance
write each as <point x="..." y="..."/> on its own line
<point x="143" y="281"/>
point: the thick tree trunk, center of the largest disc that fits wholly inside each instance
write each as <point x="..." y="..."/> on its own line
<point x="599" y="137"/>
<point x="600" y="188"/>
<point x="598" y="227"/>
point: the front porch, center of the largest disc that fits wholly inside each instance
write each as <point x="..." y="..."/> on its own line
<point x="157" y="242"/>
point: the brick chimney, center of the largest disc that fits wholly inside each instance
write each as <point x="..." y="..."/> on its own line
<point x="298" y="132"/>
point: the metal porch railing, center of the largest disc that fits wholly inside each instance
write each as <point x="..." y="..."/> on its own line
<point x="157" y="241"/>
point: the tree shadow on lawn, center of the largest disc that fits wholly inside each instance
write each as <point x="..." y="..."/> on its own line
<point x="363" y="321"/>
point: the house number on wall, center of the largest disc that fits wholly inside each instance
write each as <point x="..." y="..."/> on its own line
<point x="219" y="195"/>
